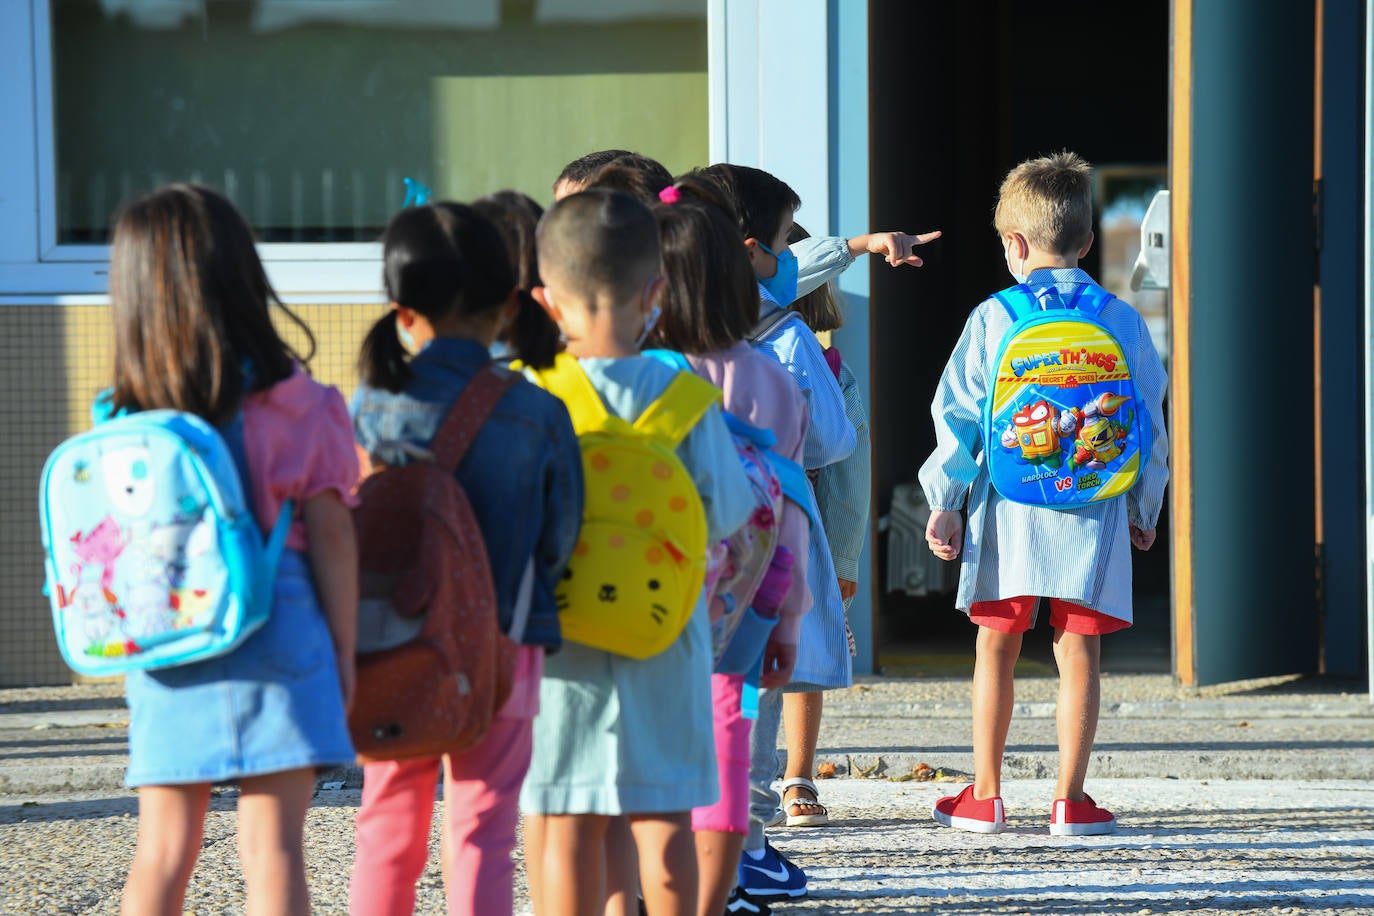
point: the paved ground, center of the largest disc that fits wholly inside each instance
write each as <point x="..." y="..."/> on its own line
<point x="1253" y="798"/>
<point x="1205" y="847"/>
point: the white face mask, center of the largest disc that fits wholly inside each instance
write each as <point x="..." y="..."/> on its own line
<point x="1006" y="256"/>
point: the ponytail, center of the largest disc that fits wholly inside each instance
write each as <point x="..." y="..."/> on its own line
<point x="382" y="362"/>
<point x="532" y="334"/>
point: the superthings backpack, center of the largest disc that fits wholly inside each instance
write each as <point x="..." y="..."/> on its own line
<point x="1062" y="426"/>
<point x="747" y="551"/>
<point x="640" y="561"/>
<point x="154" y="558"/>
<point x="433" y="665"/>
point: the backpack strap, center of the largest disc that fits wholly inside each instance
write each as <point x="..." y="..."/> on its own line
<point x="566" y="381"/>
<point x="770" y="323"/>
<point x="1020" y="300"/>
<point x="681" y="405"/>
<point x="468" y="414"/>
<point x="755" y="435"/>
<point x="670" y="358"/>
<point x="795" y="486"/>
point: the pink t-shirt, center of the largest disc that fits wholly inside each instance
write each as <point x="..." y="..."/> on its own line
<point x="761" y="393"/>
<point x="299" y="443"/>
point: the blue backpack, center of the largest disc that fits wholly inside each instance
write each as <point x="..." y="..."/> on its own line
<point x="154" y="558"/>
<point x="1062" y="426"/>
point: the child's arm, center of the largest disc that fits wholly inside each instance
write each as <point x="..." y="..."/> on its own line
<point x="830" y="436"/>
<point x="334" y="561"/>
<point x="821" y="259"/>
<point x="1146" y="498"/>
<point x="957" y="411"/>
<point x="563" y="499"/>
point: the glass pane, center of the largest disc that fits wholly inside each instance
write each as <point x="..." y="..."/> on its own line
<point x="1124" y="193"/>
<point x="309" y="113"/>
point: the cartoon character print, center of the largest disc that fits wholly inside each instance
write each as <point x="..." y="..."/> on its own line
<point x="635" y="568"/>
<point x="95" y="608"/>
<point x="101" y="545"/>
<point x="1098" y="436"/>
<point x="129" y="481"/>
<point x="1034" y="432"/>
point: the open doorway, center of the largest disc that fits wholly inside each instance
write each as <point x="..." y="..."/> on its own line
<point x="960" y="94"/>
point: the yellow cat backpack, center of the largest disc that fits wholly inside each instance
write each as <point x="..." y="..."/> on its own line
<point x="638" y="569"/>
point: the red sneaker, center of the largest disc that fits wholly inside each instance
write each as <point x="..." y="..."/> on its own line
<point x="1080" y="818"/>
<point x="964" y="812"/>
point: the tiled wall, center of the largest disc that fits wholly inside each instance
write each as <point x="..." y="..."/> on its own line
<point x="54" y="359"/>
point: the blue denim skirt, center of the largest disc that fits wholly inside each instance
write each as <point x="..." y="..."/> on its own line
<point x="272" y="704"/>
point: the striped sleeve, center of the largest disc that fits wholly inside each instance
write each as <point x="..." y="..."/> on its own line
<point x="957" y="411"/>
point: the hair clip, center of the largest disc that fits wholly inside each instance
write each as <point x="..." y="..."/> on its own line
<point x="670" y="194"/>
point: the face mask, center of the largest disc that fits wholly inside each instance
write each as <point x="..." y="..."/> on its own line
<point x="407" y="341"/>
<point x="1006" y="256"/>
<point x="782" y="286"/>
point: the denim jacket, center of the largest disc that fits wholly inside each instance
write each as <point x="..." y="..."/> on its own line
<point x="523" y="474"/>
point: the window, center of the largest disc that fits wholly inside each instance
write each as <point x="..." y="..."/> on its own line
<point x="309" y="113"/>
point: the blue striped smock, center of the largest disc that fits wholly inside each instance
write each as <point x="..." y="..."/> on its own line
<point x="1080" y="555"/>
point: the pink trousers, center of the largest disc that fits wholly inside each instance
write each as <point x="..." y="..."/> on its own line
<point x="731" y="813"/>
<point x="481" y="792"/>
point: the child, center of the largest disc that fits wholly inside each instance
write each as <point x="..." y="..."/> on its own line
<point x="764" y="207"/>
<point x="710" y="303"/>
<point x="516" y="216"/>
<point x="618" y="736"/>
<point x="1078" y="558"/>
<point x="193" y="332"/>
<point x="450" y="284"/>
<point x="842" y="497"/>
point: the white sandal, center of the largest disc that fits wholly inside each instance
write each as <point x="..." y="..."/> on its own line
<point x="805" y="820"/>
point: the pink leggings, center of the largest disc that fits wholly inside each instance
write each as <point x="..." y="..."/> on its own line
<point x="481" y="793"/>
<point x="731" y="813"/>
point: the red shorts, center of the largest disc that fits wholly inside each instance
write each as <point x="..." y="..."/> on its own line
<point x="1015" y="615"/>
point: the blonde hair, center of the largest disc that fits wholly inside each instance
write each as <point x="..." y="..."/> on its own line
<point x="1050" y="201"/>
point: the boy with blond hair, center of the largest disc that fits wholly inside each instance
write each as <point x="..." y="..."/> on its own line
<point x="1074" y="558"/>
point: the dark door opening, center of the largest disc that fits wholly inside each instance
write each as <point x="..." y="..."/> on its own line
<point x="960" y="94"/>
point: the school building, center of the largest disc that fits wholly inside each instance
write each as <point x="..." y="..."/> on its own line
<point x="1254" y="114"/>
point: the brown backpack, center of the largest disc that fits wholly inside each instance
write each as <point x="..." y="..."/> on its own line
<point x="433" y="664"/>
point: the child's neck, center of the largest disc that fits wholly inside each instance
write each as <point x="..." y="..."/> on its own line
<point x="1041" y="259"/>
<point x="611" y="331"/>
<point x="481" y="328"/>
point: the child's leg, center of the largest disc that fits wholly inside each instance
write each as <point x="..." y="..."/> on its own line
<point x="763" y="766"/>
<point x="481" y="796"/>
<point x="1078" y="658"/>
<point x="667" y="862"/>
<point x="720" y="828"/>
<point x="171" y="822"/>
<point x="993" y="698"/>
<point x="391" y="835"/>
<point x="622" y="869"/>
<point x="570" y="856"/>
<point x="801" y="718"/>
<point x="271" y="841"/>
<point x="718" y="855"/>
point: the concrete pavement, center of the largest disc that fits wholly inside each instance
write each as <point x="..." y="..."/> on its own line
<point x="1252" y="798"/>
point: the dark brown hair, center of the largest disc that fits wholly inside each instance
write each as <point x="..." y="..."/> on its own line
<point x="437" y="259"/>
<point x="532" y="333"/>
<point x="638" y="176"/>
<point x="711" y="300"/>
<point x="582" y="168"/>
<point x="820" y="309"/>
<point x="191" y="305"/>
<point x="760" y="200"/>
<point x="599" y="242"/>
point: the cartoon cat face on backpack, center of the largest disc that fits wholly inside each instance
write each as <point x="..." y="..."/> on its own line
<point x="129" y="481"/>
<point x="617" y="578"/>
